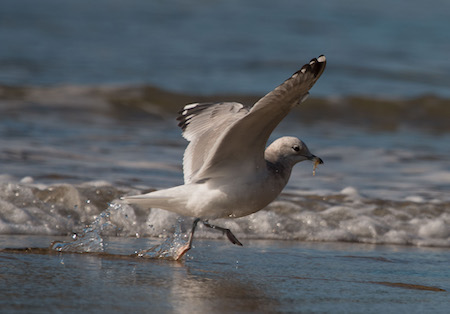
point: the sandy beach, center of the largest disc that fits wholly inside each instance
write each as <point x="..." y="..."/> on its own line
<point x="263" y="276"/>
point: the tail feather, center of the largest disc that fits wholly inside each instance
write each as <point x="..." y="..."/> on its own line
<point x="148" y="200"/>
<point x="168" y="199"/>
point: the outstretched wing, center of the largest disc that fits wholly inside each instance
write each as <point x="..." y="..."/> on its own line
<point x="202" y="125"/>
<point x="239" y="140"/>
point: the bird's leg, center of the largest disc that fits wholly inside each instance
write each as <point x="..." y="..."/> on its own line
<point x="191" y="236"/>
<point x="188" y="246"/>
<point x="226" y="231"/>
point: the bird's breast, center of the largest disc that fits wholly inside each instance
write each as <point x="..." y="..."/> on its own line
<point x="239" y="197"/>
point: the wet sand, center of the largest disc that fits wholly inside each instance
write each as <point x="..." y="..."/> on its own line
<point x="263" y="276"/>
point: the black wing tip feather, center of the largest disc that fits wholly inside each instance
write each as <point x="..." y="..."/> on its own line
<point x="316" y="66"/>
<point x="189" y="111"/>
<point x="185" y="115"/>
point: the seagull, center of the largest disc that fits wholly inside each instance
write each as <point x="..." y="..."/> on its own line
<point x="228" y="171"/>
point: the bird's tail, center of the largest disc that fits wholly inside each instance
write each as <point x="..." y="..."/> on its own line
<point x="147" y="200"/>
<point x="165" y="199"/>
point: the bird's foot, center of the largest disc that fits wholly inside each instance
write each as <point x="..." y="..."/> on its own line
<point x="181" y="251"/>
<point x="226" y="231"/>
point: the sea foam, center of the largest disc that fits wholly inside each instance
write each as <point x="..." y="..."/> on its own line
<point x="67" y="209"/>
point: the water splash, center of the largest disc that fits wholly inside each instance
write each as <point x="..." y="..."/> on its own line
<point x="173" y="248"/>
<point x="91" y="239"/>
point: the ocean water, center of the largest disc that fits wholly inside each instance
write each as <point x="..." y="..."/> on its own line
<point x="63" y="164"/>
<point x="378" y="48"/>
<point x="88" y="98"/>
<point x="265" y="276"/>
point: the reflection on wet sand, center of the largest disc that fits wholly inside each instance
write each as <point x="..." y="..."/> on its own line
<point x="265" y="276"/>
<point x="201" y="291"/>
<point x="184" y="288"/>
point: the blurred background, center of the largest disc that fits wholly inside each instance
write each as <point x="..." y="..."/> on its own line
<point x="89" y="92"/>
<point x="376" y="48"/>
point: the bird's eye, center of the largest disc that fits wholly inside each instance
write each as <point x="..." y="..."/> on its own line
<point x="296" y="148"/>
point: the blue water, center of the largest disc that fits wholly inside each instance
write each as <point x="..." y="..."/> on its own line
<point x="374" y="48"/>
<point x="265" y="276"/>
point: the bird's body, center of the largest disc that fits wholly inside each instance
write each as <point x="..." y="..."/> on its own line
<point x="228" y="172"/>
<point x="219" y="197"/>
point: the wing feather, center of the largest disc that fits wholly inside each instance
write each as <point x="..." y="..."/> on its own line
<point x="243" y="143"/>
<point x="202" y="125"/>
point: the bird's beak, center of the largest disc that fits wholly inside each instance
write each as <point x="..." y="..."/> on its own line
<point x="316" y="160"/>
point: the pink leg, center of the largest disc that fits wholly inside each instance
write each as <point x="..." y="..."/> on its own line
<point x="182" y="250"/>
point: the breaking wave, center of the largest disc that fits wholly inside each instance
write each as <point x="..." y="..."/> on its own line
<point x="66" y="209"/>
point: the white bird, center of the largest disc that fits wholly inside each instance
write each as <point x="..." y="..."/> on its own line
<point x="228" y="172"/>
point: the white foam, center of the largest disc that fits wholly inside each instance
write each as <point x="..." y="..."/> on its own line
<point x="29" y="208"/>
<point x="436" y="228"/>
<point x="415" y="198"/>
<point x="27" y="180"/>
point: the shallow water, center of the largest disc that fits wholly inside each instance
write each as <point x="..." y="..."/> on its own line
<point x="267" y="276"/>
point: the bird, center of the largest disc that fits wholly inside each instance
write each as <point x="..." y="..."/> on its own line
<point x="228" y="171"/>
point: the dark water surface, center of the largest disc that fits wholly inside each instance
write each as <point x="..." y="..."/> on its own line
<point x="264" y="276"/>
<point x="374" y="48"/>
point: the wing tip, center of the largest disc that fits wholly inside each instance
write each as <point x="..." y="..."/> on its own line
<point x="186" y="114"/>
<point x="322" y="58"/>
<point x="191" y="111"/>
<point x="319" y="59"/>
<point x="316" y="66"/>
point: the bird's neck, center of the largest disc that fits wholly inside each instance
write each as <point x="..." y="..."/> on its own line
<point x="278" y="166"/>
<point x="279" y="171"/>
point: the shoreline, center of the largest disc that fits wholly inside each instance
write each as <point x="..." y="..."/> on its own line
<point x="275" y="276"/>
<point x="135" y="257"/>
